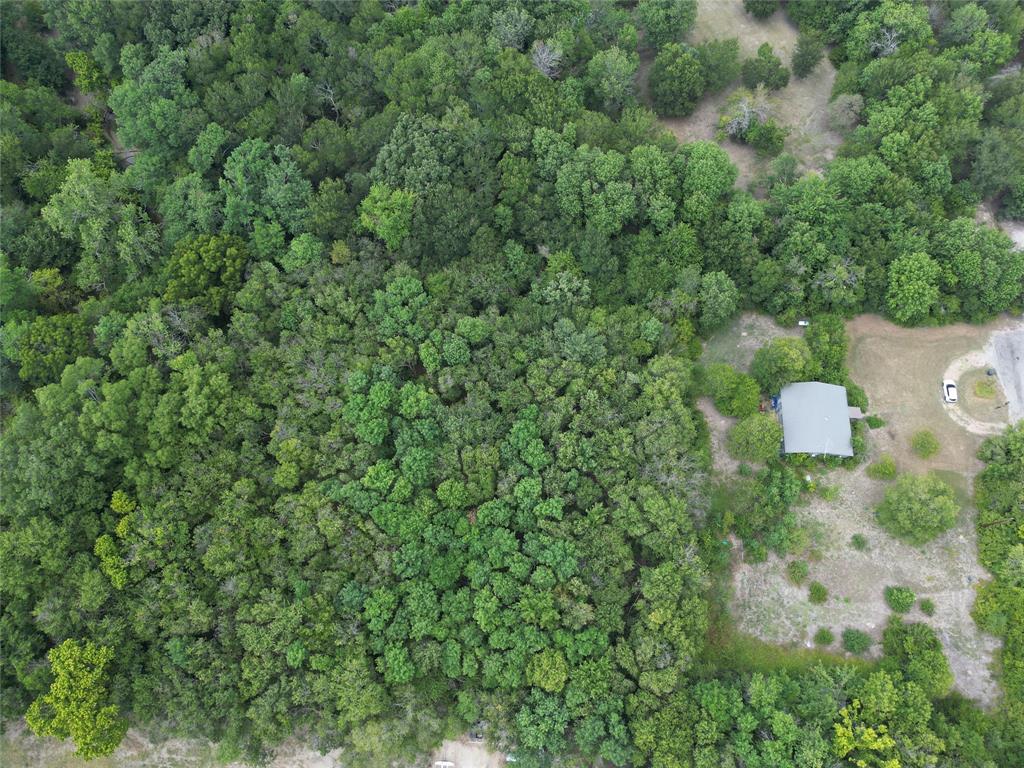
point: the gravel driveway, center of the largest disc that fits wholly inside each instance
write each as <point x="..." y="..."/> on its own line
<point x="1007" y="352"/>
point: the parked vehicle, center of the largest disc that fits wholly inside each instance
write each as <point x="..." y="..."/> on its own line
<point x="949" y="393"/>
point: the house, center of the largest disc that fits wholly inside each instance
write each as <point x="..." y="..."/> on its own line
<point x="815" y="419"/>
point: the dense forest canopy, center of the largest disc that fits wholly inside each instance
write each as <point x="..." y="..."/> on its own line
<point x="348" y="368"/>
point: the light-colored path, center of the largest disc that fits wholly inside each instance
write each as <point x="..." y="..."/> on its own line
<point x="969" y="362"/>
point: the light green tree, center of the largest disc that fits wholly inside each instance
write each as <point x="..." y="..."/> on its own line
<point x="77" y="706"/>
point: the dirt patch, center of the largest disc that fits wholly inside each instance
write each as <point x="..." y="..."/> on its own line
<point x="465" y="754"/>
<point x="737" y="342"/>
<point x="901" y="370"/>
<point x="802" y="106"/>
<point x="718" y="427"/>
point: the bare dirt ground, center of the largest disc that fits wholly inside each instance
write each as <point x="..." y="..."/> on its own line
<point x="901" y="370"/>
<point x="736" y="343"/>
<point x="20" y="749"/>
<point x="466" y="754"/>
<point x="802" y="106"/>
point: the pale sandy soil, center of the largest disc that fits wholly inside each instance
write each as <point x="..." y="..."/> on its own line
<point x="901" y="370"/>
<point x="718" y="427"/>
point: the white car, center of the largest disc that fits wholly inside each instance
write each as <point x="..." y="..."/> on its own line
<point x="949" y="391"/>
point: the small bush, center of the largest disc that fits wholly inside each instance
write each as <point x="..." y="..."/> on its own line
<point x="809" y="50"/>
<point x="856" y="641"/>
<point x="900" y="599"/>
<point x="875" y="422"/>
<point x="761" y="9"/>
<point x="797" y="571"/>
<point x="829" y="492"/>
<point x="764" y="68"/>
<point x="925" y="444"/>
<point x="927" y="607"/>
<point x="766" y="138"/>
<point x="824" y="636"/>
<point x="883" y="469"/>
<point x="859" y="542"/>
<point x="817" y="593"/>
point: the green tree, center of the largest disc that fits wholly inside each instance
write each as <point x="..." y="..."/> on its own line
<point x="387" y="213"/>
<point x="913" y="288"/>
<point x="917" y="508"/>
<point x="610" y="77"/>
<point x="914" y="651"/>
<point x="756" y="438"/>
<point x="809" y="50"/>
<point x="207" y="268"/>
<point x="783" y="361"/>
<point x="718" y="299"/>
<point x="666" y="21"/>
<point x="77" y="704"/>
<point x="676" y="80"/>
<point x="719" y="62"/>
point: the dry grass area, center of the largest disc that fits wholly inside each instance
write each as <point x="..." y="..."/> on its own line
<point x="737" y="342"/>
<point x="802" y="106"/>
<point x="901" y="370"/>
<point x="20" y="749"/>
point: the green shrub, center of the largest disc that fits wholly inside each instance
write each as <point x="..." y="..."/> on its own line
<point x="917" y="508"/>
<point x="925" y="444"/>
<point x="817" y="593"/>
<point x="875" y="422"/>
<point x="859" y="542"/>
<point x="766" y="138"/>
<point x="797" y="571"/>
<point x="883" y="469"/>
<point x="824" y="636"/>
<point x="900" y="599"/>
<point x="927" y="607"/>
<point x="829" y="492"/>
<point x="856" y="641"/>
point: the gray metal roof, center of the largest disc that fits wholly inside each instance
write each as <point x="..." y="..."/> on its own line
<point x="815" y="419"/>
